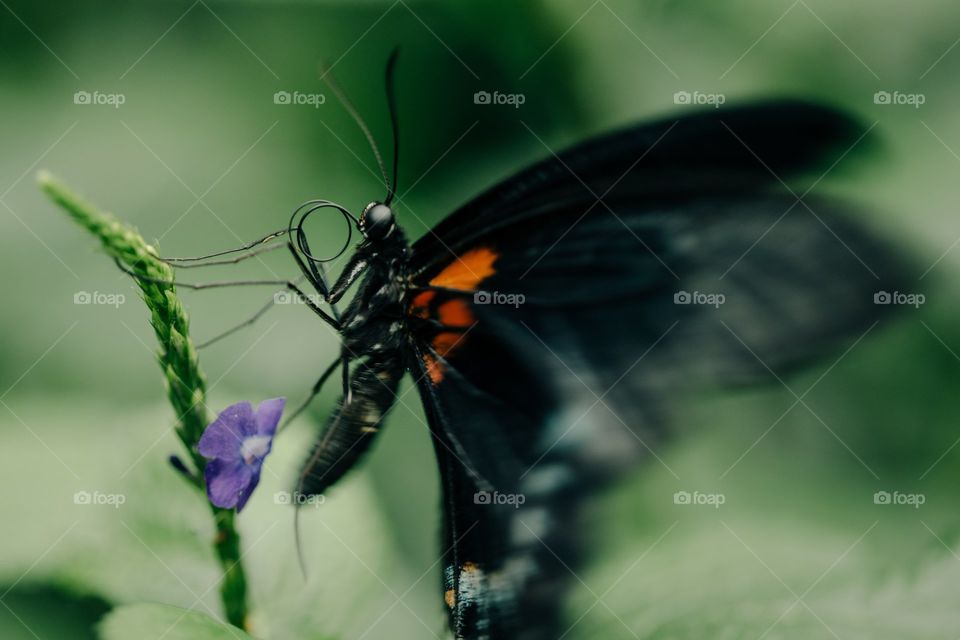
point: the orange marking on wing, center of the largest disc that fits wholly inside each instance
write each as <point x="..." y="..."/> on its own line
<point x="465" y="273"/>
<point x="445" y="342"/>
<point x="455" y="313"/>
<point x="420" y="305"/>
<point x="434" y="369"/>
<point x="468" y="270"/>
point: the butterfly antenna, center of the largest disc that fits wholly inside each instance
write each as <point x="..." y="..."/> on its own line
<point x="392" y="105"/>
<point x="326" y="74"/>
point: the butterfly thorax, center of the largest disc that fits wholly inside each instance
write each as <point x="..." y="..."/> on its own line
<point x="373" y="321"/>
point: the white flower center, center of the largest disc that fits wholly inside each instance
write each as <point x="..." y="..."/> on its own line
<point x="254" y="447"/>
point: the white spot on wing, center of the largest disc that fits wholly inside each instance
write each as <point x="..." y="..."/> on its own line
<point x="530" y="526"/>
<point x="546" y="479"/>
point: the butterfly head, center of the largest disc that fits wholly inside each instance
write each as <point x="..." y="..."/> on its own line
<point x="377" y="222"/>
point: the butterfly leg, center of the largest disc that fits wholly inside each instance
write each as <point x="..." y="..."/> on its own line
<point x="252" y="248"/>
<point x="347" y="389"/>
<point x="246" y="323"/>
<point x="193" y="263"/>
<point x="313" y="392"/>
<point x="310" y="270"/>
<point x="292" y="286"/>
<point x="353" y="270"/>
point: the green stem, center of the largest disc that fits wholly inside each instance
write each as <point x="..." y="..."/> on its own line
<point x="186" y="385"/>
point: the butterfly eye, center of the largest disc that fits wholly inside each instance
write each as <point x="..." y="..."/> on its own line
<point x="376" y="221"/>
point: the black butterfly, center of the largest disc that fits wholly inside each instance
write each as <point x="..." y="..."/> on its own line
<point x="551" y="322"/>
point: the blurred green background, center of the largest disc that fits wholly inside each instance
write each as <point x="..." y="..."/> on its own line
<point x="200" y="157"/>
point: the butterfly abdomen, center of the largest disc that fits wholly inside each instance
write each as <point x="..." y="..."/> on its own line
<point x="351" y="429"/>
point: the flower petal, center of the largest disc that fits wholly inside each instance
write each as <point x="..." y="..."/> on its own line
<point x="229" y="483"/>
<point x="268" y="415"/>
<point x="222" y="437"/>
<point x="251" y="485"/>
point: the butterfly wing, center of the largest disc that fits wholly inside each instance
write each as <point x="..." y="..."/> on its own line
<point x="557" y="316"/>
<point x="737" y="148"/>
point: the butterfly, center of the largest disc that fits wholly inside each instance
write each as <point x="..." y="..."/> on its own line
<point x="552" y="322"/>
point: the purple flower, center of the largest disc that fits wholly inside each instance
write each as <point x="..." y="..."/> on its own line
<point x="236" y="444"/>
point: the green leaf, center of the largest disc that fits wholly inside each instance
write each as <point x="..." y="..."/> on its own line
<point x="148" y="620"/>
<point x="25" y="614"/>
